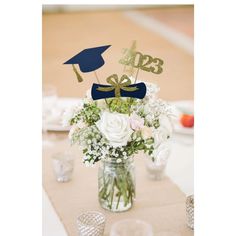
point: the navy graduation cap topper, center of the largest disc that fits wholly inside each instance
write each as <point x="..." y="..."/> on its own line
<point x="89" y="59"/>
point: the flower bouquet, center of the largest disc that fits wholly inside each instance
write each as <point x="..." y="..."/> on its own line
<point x="112" y="132"/>
<point x="115" y="122"/>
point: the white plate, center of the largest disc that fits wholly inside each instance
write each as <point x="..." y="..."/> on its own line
<point x="61" y="105"/>
<point x="183" y="107"/>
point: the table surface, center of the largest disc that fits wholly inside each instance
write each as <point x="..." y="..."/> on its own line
<point x="161" y="210"/>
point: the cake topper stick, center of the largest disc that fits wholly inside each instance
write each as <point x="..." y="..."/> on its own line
<point x="127" y="57"/>
<point x="97" y="77"/>
<point x="136" y="76"/>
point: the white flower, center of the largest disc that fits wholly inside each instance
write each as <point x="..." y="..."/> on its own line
<point x="152" y="90"/>
<point x="161" y="154"/>
<point x="80" y="124"/>
<point x="151" y="107"/>
<point x="115" y="127"/>
<point x="74" y="129"/>
<point x="136" y="122"/>
<point x="163" y="132"/>
<point x="150" y="118"/>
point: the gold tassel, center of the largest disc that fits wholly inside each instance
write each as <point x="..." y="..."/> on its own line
<point x="78" y="76"/>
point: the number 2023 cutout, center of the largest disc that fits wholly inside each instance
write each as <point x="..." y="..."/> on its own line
<point x="143" y="62"/>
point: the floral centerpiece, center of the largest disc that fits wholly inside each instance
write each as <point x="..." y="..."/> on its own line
<point x="113" y="131"/>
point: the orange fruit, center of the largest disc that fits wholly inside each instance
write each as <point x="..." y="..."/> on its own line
<point x="187" y="120"/>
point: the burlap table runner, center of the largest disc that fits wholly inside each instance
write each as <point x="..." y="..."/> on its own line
<point x="160" y="203"/>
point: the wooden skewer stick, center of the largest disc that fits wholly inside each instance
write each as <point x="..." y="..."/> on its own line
<point x="100" y="83"/>
<point x="136" y="76"/>
<point x="97" y="77"/>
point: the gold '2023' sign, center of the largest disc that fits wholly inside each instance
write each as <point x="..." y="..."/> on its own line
<point x="143" y="62"/>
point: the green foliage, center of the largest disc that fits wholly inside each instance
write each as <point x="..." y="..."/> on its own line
<point x="138" y="143"/>
<point x="89" y="114"/>
<point x="121" y="105"/>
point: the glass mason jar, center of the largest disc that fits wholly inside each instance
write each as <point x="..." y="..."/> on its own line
<point x="116" y="183"/>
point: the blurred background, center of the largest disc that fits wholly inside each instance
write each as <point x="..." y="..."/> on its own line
<point x="161" y="31"/>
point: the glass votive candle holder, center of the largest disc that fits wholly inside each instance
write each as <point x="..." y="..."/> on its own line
<point x="130" y="227"/>
<point x="63" y="166"/>
<point x="91" y="223"/>
<point x="154" y="170"/>
<point x="156" y="167"/>
<point x="190" y="211"/>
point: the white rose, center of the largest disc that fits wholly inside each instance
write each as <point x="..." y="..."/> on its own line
<point x="115" y="127"/>
<point x="161" y="154"/>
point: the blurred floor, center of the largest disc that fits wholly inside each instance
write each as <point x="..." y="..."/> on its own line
<point x="65" y="34"/>
<point x="180" y="18"/>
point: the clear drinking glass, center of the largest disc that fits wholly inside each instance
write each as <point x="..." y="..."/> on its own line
<point x="155" y="171"/>
<point x="116" y="183"/>
<point x="132" y="227"/>
<point x="91" y="223"/>
<point x="63" y="165"/>
<point x="156" y="168"/>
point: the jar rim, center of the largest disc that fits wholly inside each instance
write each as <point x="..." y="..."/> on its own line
<point x="113" y="160"/>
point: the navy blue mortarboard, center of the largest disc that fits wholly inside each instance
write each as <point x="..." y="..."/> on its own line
<point x="89" y="59"/>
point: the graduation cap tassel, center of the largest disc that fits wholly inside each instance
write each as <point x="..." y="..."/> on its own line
<point x="78" y="76"/>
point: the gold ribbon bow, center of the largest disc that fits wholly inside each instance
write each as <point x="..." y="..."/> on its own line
<point x="117" y="84"/>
